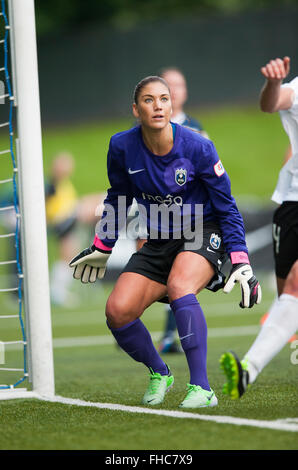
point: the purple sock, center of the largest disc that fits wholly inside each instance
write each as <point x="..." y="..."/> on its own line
<point x="192" y="329"/>
<point x="135" y="340"/>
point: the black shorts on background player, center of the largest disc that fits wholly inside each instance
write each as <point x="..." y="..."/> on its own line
<point x="285" y="237"/>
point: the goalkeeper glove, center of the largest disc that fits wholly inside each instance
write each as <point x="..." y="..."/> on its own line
<point x="250" y="287"/>
<point x="90" y="264"/>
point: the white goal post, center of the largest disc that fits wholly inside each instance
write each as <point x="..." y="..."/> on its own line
<point x="37" y="306"/>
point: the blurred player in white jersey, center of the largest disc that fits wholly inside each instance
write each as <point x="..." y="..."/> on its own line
<point x="282" y="320"/>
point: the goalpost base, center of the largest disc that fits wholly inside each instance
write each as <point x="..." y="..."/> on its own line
<point x="11" y="394"/>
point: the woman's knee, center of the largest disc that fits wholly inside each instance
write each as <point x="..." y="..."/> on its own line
<point x="119" y="312"/>
<point x="177" y="288"/>
<point x="190" y="273"/>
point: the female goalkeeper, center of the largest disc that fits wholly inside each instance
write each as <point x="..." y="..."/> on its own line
<point x="174" y="171"/>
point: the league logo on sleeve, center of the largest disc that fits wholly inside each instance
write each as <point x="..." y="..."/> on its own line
<point x="180" y="176"/>
<point x="218" y="168"/>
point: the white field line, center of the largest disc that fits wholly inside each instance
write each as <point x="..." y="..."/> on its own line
<point x="102" y="340"/>
<point x="288" y="424"/>
<point x="95" y="317"/>
<point x="109" y="339"/>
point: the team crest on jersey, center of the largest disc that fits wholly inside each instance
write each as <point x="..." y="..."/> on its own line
<point x="215" y="241"/>
<point x="218" y="168"/>
<point x="181" y="176"/>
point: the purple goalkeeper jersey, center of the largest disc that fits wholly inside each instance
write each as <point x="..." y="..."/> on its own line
<point x="191" y="173"/>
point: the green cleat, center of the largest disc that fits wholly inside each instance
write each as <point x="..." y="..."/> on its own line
<point x="236" y="374"/>
<point x="157" y="388"/>
<point x="197" y="397"/>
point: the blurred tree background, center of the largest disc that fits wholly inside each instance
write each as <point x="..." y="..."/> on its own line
<point x="55" y="16"/>
<point x="92" y="53"/>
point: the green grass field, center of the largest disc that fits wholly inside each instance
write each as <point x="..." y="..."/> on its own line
<point x="90" y="368"/>
<point x="247" y="140"/>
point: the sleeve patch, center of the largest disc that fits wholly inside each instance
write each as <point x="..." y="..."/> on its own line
<point x="218" y="168"/>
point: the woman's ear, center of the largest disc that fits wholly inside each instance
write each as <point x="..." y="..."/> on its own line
<point x="135" y="110"/>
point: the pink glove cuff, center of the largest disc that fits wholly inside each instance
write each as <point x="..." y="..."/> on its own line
<point x="239" y="257"/>
<point x="98" y="243"/>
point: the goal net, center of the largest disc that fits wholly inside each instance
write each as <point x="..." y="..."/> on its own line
<point x="26" y="357"/>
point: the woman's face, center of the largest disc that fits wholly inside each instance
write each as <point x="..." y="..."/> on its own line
<point x="154" y="107"/>
<point x="178" y="89"/>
